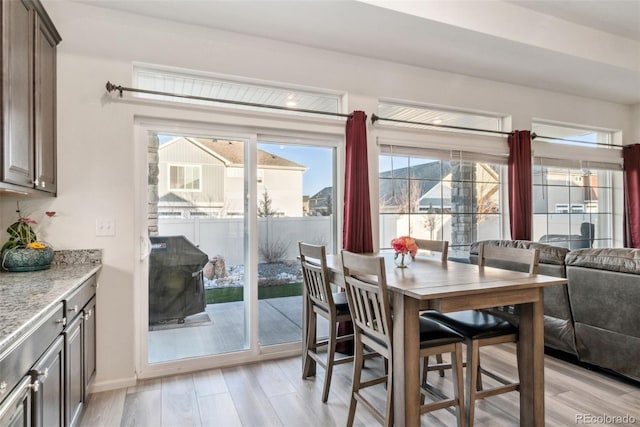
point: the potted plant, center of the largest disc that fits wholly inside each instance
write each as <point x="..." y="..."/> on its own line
<point x="23" y="251"/>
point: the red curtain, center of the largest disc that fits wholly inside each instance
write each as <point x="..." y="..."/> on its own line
<point x="520" y="185"/>
<point x="631" y="156"/>
<point x="356" y="233"/>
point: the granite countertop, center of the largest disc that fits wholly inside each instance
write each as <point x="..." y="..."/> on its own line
<point x="27" y="297"/>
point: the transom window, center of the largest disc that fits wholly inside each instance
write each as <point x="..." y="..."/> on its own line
<point x="185" y="177"/>
<point x="437" y="116"/>
<point x="560" y="134"/>
<point x="206" y="85"/>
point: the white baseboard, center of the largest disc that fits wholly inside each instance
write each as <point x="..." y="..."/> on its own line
<point x="97" y="387"/>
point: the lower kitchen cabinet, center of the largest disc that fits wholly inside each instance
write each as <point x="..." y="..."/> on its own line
<point x="45" y="376"/>
<point x="48" y="389"/>
<point x="89" y="345"/>
<point x="15" y="410"/>
<point x="73" y="345"/>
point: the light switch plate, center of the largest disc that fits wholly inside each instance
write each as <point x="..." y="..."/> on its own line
<point x="105" y="227"/>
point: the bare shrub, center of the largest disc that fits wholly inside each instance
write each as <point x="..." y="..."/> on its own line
<point x="274" y="251"/>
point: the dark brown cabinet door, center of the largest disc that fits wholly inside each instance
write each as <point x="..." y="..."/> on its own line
<point x="45" y="107"/>
<point x="48" y="372"/>
<point x="74" y="387"/>
<point x="15" y="410"/>
<point x="17" y="91"/>
<point x="89" y="344"/>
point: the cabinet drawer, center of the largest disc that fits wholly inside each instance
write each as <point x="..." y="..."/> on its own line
<point x="79" y="298"/>
<point x="18" y="359"/>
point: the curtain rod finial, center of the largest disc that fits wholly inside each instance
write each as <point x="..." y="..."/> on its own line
<point x="533" y="135"/>
<point x="111" y="87"/>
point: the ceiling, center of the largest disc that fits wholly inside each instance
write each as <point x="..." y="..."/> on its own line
<point x="582" y="47"/>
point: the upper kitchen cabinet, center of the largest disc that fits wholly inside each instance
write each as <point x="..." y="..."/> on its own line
<point x="29" y="42"/>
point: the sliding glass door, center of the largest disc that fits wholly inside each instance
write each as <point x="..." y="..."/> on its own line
<point x="295" y="203"/>
<point x="224" y="218"/>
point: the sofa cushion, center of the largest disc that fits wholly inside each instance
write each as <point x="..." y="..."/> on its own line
<point x="548" y="254"/>
<point x="622" y="260"/>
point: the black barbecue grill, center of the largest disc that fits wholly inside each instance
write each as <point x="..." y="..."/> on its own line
<point x="176" y="283"/>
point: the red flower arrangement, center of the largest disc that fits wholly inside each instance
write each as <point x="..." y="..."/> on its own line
<point x="404" y="245"/>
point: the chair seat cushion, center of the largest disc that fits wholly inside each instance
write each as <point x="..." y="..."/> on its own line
<point x="473" y="324"/>
<point x="433" y="334"/>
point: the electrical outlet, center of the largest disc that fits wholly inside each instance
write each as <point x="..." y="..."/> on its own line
<point x="105" y="227"/>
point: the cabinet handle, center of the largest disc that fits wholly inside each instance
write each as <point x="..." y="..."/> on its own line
<point x="3" y="387"/>
<point x="42" y="374"/>
<point x="73" y="309"/>
<point x="63" y="321"/>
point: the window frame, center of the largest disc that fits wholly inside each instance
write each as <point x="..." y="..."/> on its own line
<point x="184" y="166"/>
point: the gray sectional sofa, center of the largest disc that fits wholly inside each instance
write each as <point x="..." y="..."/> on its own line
<point x="604" y="292"/>
<point x="596" y="316"/>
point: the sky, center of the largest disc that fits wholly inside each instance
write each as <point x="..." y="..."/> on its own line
<point x="318" y="160"/>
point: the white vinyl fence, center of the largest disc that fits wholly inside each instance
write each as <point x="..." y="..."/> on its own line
<point x="225" y="236"/>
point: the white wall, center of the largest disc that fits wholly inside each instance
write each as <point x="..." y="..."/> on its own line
<point x="635" y="125"/>
<point x="96" y="169"/>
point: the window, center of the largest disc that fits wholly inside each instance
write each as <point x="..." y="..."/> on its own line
<point x="185" y="177"/>
<point x="570" y="135"/>
<point x="206" y="85"/>
<point x="573" y="207"/>
<point x="573" y="176"/>
<point x="438" y="117"/>
<point x="454" y="200"/>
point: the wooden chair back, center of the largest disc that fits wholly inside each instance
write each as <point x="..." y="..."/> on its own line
<point x="315" y="275"/>
<point x="365" y="279"/>
<point x="440" y="246"/>
<point x="521" y="256"/>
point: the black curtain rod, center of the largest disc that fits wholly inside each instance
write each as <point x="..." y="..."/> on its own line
<point x="534" y="136"/>
<point x="375" y="118"/>
<point x="111" y="87"/>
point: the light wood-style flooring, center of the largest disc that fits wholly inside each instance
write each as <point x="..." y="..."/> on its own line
<point x="272" y="393"/>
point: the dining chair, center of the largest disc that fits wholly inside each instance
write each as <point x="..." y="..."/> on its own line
<point x="365" y="280"/>
<point x="321" y="301"/>
<point x="481" y="328"/>
<point x="440" y="246"/>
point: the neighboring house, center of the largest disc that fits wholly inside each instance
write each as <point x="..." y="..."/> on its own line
<point x="321" y="203"/>
<point x="578" y="195"/>
<point x="205" y="177"/>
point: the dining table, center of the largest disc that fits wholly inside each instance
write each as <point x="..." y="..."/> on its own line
<point x="447" y="286"/>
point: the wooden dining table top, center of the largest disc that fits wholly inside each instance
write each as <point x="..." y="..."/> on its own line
<point x="428" y="277"/>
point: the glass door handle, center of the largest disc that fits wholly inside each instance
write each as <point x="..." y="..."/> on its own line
<point x="145" y="247"/>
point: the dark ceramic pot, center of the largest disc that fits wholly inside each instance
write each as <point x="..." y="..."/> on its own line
<point x="27" y="259"/>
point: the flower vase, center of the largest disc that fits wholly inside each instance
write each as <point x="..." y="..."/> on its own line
<point x="402" y="260"/>
<point x="26" y="259"/>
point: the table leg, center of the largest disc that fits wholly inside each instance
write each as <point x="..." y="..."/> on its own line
<point x="406" y="361"/>
<point x="531" y="363"/>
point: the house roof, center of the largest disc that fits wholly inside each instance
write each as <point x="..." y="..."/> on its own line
<point x="233" y="152"/>
<point x="323" y="194"/>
